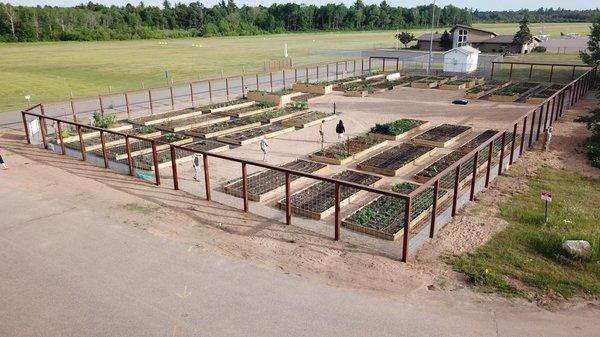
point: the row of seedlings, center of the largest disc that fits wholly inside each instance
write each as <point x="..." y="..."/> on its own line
<point x="346" y="151"/>
<point x="383" y="217"/>
<point x="266" y="184"/>
<point x="514" y="92"/>
<point x="317" y="201"/>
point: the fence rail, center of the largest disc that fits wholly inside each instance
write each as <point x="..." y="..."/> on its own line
<point x="464" y="172"/>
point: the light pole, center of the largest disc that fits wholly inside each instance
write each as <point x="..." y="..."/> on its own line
<point x="431" y="38"/>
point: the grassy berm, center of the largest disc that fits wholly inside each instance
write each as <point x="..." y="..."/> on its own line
<point x="527" y="258"/>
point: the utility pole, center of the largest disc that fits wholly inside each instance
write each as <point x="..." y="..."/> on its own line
<point x="431" y="38"/>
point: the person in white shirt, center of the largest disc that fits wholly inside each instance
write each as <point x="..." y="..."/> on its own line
<point x="196" y="166"/>
<point x="264" y="147"/>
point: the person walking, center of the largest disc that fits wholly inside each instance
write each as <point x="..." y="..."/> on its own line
<point x="2" y="162"/>
<point x="340" y="130"/>
<point x="196" y="166"/>
<point x="264" y="147"/>
<point x="322" y="131"/>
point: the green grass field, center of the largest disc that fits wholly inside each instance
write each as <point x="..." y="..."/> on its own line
<point x="530" y="251"/>
<point x="52" y="70"/>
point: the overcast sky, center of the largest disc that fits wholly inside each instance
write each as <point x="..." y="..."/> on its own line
<point x="480" y="4"/>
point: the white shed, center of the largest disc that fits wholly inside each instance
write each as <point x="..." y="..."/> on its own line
<point x="461" y="60"/>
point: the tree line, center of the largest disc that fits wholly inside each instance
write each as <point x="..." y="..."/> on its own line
<point x="91" y="21"/>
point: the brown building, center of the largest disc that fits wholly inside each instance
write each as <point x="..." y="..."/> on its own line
<point x="485" y="41"/>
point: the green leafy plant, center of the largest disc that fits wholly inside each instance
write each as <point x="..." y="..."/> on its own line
<point x="104" y="122"/>
<point x="397" y="127"/>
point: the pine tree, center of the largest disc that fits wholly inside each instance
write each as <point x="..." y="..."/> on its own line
<point x="446" y="41"/>
<point x="592" y="56"/>
<point x="523" y="36"/>
<point x="405" y="38"/>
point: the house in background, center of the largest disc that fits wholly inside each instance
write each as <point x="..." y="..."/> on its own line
<point x="484" y="40"/>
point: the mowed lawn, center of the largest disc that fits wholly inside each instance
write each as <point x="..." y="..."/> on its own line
<point x="54" y="70"/>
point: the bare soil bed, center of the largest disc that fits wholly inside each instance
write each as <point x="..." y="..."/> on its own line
<point x="441" y="136"/>
<point x="265" y="184"/>
<point x="167" y="116"/>
<point x="485" y="89"/>
<point x="513" y="92"/>
<point x="318" y="200"/>
<point x="397" y="159"/>
<point x="249" y="110"/>
<point x="478" y="140"/>
<point x="111" y="139"/>
<point x="229" y="105"/>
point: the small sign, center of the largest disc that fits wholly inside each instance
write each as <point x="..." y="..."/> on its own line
<point x="547" y="196"/>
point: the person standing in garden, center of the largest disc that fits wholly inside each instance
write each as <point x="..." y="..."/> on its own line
<point x="264" y="147"/>
<point x="196" y="166"/>
<point x="322" y="132"/>
<point x="340" y="129"/>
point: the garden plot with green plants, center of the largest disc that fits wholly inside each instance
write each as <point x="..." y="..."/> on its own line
<point x="398" y="129"/>
<point x="348" y="150"/>
<point x="384" y="217"/>
<point x="318" y="200"/>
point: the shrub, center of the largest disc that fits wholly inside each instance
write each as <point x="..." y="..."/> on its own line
<point x="592" y="144"/>
<point x="104" y="122"/>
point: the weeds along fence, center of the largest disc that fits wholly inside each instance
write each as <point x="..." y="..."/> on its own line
<point x="418" y="212"/>
<point x="135" y="103"/>
<point x="547" y="72"/>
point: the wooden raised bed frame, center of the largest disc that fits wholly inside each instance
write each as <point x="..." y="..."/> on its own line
<point x="329" y="211"/>
<point x="358" y="155"/>
<point x="159" y="147"/>
<point x="404" y="135"/>
<point x="167" y="117"/>
<point x="385" y="235"/>
<point x="192" y="125"/>
<point x="232" y="113"/>
<point x="392" y="172"/>
<point x="356" y="93"/>
<point x="278" y="100"/>
<point x="92" y="134"/>
<point x="483" y="93"/>
<point x="227" y="139"/>
<point x="227" y="188"/>
<point x="446" y="143"/>
<point x="290" y="121"/>
<point x="223" y="132"/>
<point x="313" y="88"/>
<point x="229" y="107"/>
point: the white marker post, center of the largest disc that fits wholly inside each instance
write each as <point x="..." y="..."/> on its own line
<point x="547" y="197"/>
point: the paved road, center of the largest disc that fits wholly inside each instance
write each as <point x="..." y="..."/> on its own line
<point x="71" y="267"/>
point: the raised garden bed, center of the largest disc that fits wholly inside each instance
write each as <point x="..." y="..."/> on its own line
<point x="229" y="105"/>
<point x="112" y="140"/>
<point x="266" y="184"/>
<point x="513" y="92"/>
<point x="256" y="134"/>
<point x="168" y="116"/>
<point x="441" y="136"/>
<point x="348" y="150"/>
<point x="542" y="95"/>
<point x="458" y="84"/>
<point x="120" y="152"/>
<point x="425" y="83"/>
<point x="192" y="122"/>
<point x="279" y="98"/>
<point x="318" y="200"/>
<point x="146" y="162"/>
<point x="306" y="97"/>
<point x="86" y="133"/>
<point x="383" y="217"/>
<point x="480" y="139"/>
<point x="280" y="114"/>
<point x="398" y="129"/>
<point x="486" y="89"/>
<point x="223" y="128"/>
<point x="397" y="159"/>
<point x="314" y="88"/>
<point x="308" y="119"/>
<point x="248" y="110"/>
